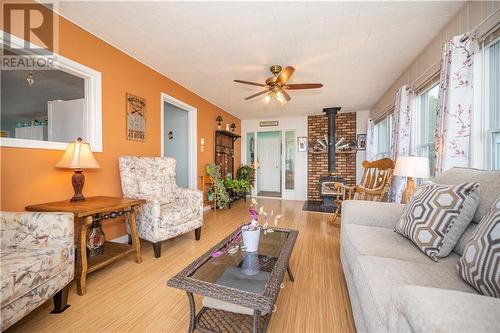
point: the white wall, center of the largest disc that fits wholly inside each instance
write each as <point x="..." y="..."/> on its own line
<point x="299" y="125"/>
<point x="361" y="121"/>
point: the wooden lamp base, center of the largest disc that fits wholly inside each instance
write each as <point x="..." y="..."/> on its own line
<point x="409" y="190"/>
<point x="78" y="180"/>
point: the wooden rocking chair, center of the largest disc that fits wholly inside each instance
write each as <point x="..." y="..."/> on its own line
<point x="374" y="184"/>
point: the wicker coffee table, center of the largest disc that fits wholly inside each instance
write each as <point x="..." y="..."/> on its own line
<point x="246" y="283"/>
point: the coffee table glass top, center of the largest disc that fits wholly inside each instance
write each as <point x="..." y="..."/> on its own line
<point x="247" y="271"/>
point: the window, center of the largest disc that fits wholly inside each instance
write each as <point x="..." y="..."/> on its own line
<point x="492" y="102"/>
<point x="250" y="148"/>
<point x="425" y="121"/>
<point x="290" y="160"/>
<point x="47" y="108"/>
<point x="383" y="137"/>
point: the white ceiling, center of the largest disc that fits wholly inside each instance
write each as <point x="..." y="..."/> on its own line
<point x="356" y="49"/>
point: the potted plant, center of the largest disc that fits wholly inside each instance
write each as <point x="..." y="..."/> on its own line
<point x="246" y="172"/>
<point x="251" y="232"/>
<point x="213" y="171"/>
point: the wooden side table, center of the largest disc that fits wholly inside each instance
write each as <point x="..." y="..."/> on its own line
<point x="85" y="212"/>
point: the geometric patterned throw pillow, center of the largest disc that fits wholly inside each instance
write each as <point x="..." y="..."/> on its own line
<point x="480" y="264"/>
<point x="430" y="216"/>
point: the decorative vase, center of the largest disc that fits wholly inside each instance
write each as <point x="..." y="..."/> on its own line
<point x="95" y="239"/>
<point x="250" y="264"/>
<point x="210" y="196"/>
<point x="250" y="238"/>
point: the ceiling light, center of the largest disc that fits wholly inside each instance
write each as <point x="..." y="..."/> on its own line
<point x="280" y="98"/>
<point x="267" y="98"/>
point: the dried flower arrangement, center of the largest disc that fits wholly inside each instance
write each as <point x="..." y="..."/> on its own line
<point x="232" y="246"/>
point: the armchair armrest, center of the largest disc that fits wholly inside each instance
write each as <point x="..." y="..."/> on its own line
<point x="425" y="309"/>
<point x="371" y="213"/>
<point x="190" y="195"/>
<point x="26" y="230"/>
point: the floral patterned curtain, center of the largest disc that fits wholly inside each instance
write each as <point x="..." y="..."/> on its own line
<point x="400" y="137"/>
<point x="453" y="124"/>
<point x="371" y="149"/>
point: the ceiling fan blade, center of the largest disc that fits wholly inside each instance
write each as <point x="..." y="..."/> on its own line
<point x="257" y="94"/>
<point x="303" y="86"/>
<point x="251" y="83"/>
<point x="285" y="94"/>
<point x="285" y="75"/>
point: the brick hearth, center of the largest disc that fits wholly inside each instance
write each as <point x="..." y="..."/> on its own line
<point x="345" y="163"/>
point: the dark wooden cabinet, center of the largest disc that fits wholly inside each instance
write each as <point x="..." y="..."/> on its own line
<point x="224" y="151"/>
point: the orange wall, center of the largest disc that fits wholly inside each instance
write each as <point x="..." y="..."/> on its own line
<point x="28" y="175"/>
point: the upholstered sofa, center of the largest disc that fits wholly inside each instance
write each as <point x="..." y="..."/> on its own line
<point x="37" y="262"/>
<point x="394" y="287"/>
<point x="169" y="210"/>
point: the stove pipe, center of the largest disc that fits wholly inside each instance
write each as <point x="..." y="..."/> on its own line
<point x="331" y="113"/>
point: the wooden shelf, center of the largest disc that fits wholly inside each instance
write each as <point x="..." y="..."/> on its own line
<point x="337" y="152"/>
<point x="228" y="133"/>
<point x="112" y="252"/>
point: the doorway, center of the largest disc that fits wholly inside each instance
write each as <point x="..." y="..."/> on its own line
<point x="269" y="164"/>
<point x="178" y="139"/>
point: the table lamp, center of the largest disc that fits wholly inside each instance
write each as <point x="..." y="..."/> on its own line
<point x="78" y="157"/>
<point x="411" y="167"/>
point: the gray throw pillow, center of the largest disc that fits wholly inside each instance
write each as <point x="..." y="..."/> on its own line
<point x="480" y="264"/>
<point x="437" y="215"/>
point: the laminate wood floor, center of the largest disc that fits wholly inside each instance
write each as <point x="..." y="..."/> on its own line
<point x="130" y="297"/>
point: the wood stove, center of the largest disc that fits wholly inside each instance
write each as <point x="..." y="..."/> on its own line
<point x="327" y="192"/>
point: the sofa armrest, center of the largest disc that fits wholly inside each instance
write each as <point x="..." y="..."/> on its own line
<point x="371" y="213"/>
<point x="424" y="309"/>
<point x="26" y="229"/>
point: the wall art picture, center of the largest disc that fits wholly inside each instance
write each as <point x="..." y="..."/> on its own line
<point x="302" y="143"/>
<point x="361" y="141"/>
<point x="136" y="118"/>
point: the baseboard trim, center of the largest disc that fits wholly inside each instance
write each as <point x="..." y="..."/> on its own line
<point x="122" y="239"/>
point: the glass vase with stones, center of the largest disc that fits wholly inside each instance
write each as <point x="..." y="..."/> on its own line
<point x="95" y="238"/>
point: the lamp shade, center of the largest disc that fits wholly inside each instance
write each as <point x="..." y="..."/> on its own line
<point x="78" y="156"/>
<point x="412" y="166"/>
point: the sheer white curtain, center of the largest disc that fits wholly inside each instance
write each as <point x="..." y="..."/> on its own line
<point x="371" y="140"/>
<point x="400" y="137"/>
<point x="453" y="123"/>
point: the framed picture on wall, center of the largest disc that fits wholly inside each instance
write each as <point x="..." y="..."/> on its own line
<point x="301" y="143"/>
<point x="136" y="118"/>
<point x="361" y="142"/>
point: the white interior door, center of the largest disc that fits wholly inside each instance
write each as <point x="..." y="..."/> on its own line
<point x="269" y="159"/>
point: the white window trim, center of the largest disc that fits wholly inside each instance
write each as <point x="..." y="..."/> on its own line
<point x="93" y="105"/>
<point x="192" y="136"/>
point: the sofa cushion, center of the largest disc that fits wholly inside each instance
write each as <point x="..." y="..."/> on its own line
<point x="489" y="181"/>
<point x="437" y="216"/>
<point x="360" y="240"/>
<point x="25" y="269"/>
<point x="480" y="264"/>
<point x="376" y="278"/>
<point x="464" y="239"/>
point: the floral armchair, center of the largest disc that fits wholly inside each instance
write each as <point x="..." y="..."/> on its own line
<point x="37" y="262"/>
<point x="169" y="210"/>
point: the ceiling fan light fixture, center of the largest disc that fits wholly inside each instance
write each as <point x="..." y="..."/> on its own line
<point x="267" y="98"/>
<point x="280" y="98"/>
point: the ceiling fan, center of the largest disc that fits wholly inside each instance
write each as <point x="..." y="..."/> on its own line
<point x="277" y="85"/>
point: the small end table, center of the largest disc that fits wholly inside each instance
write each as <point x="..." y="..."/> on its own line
<point x="85" y="212"/>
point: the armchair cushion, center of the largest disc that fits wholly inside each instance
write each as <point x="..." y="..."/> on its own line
<point x="26" y="269"/>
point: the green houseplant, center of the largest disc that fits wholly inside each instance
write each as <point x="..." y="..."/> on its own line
<point x="213" y="171"/>
<point x="246" y="172"/>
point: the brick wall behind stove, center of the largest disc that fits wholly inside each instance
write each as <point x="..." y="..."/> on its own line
<point x="345" y="164"/>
